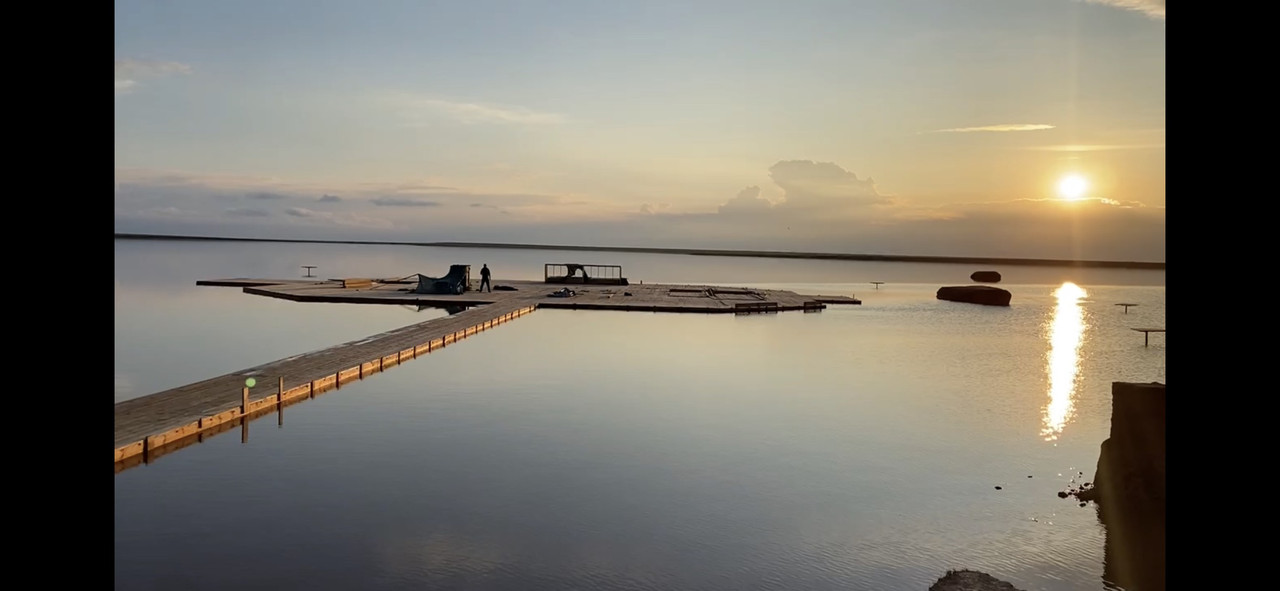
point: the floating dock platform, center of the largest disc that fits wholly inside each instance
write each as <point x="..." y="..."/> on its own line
<point x="151" y="426"/>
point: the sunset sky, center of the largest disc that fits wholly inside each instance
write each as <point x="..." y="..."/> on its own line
<point x="1014" y="128"/>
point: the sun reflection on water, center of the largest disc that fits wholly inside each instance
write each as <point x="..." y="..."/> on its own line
<point x="1066" y="333"/>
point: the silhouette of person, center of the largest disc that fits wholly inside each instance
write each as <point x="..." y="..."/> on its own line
<point x="484" y="278"/>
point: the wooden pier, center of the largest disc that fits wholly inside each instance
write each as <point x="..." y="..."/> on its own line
<point x="153" y="425"/>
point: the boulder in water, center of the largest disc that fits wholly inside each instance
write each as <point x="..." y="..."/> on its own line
<point x="970" y="580"/>
<point x="976" y="294"/>
<point x="985" y="276"/>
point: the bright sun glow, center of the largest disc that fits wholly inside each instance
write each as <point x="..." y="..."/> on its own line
<point x="1072" y="187"/>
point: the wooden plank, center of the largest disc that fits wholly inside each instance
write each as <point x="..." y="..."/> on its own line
<point x="268" y="402"/>
<point x="348" y="375"/>
<point x="125" y="452"/>
<point x="159" y="439"/>
<point x="296" y="392"/>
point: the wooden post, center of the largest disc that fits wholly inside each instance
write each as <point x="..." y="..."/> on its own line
<point x="244" y="401"/>
<point x="244" y="429"/>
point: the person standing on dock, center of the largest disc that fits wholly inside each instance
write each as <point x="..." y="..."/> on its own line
<point x="484" y="278"/>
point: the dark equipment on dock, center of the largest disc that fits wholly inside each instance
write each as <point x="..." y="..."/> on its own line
<point x="456" y="282"/>
<point x="584" y="274"/>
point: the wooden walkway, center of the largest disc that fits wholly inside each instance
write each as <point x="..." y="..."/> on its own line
<point x="148" y="426"/>
<point x="153" y="421"/>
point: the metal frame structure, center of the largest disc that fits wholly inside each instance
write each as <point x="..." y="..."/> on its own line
<point x="578" y="273"/>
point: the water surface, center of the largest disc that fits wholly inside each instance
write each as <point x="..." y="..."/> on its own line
<point x="856" y="448"/>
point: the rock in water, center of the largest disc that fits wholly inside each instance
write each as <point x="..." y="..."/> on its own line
<point x="986" y="276"/>
<point x="970" y="580"/>
<point x="976" y="294"/>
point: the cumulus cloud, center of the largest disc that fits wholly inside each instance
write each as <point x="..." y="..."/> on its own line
<point x="1000" y="127"/>
<point x="747" y="201"/>
<point x="809" y="184"/>
<point x="1151" y="8"/>
<point x="130" y="71"/>
<point x="329" y="199"/>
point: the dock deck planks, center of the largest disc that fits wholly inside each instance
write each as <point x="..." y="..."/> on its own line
<point x="139" y="418"/>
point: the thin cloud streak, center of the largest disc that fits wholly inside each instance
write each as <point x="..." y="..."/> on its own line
<point x="129" y="71"/>
<point x="401" y="202"/>
<point x="1001" y="127"/>
<point x="1093" y="147"/>
<point x="416" y="108"/>
<point x="1151" y="8"/>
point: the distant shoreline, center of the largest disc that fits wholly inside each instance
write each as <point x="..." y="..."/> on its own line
<point x="693" y="252"/>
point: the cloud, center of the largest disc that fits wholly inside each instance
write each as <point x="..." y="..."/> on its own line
<point x="812" y="206"/>
<point x="417" y="108"/>
<point x="329" y="199"/>
<point x="247" y="212"/>
<point x="1001" y="127"/>
<point x="747" y="201"/>
<point x="1151" y="8"/>
<point x="654" y="208"/>
<point x="166" y="211"/>
<point x="340" y="219"/>
<point x="265" y="196"/>
<point x="809" y="189"/>
<point x="130" y="71"/>
<point x="809" y="184"/>
<point x="402" y="202"/>
<point x="1093" y="147"/>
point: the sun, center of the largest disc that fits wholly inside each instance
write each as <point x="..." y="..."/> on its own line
<point x="1072" y="187"/>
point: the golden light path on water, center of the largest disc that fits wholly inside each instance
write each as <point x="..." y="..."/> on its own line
<point x="1066" y="334"/>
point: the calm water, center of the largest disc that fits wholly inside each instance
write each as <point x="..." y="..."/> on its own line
<point x="856" y="448"/>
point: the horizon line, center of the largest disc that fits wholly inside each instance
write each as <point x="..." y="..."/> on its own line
<point x="690" y="251"/>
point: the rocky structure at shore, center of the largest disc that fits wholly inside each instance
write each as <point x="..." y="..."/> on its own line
<point x="970" y="580"/>
<point x="986" y="276"/>
<point x="1129" y="487"/>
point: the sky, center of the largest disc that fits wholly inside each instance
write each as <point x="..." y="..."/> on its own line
<point x="1006" y="128"/>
